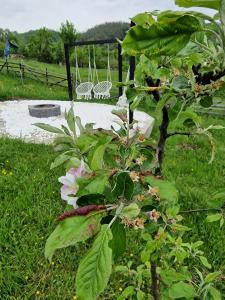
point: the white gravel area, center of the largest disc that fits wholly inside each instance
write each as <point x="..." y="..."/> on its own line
<point x="16" y="122"/>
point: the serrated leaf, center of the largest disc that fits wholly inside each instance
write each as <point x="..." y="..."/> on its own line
<point x="215" y="293"/>
<point x="205" y="262"/>
<point x="218" y="200"/>
<point x="206" y="101"/>
<point x="70" y="118"/>
<point x="49" y="128"/>
<point x="79" y="124"/>
<point x="169" y="276"/>
<point x="66" y="130"/>
<point x="61" y="159"/>
<point x="213" y="218"/>
<point x="212" y="276"/>
<point x="213" y="4"/>
<point x="92" y="185"/>
<point x="124" y="186"/>
<point x="222" y="12"/>
<point x="95" y="268"/>
<point x="118" y="242"/>
<point x="167" y="190"/>
<point x="182" y="290"/>
<point x="71" y="231"/>
<point x="121" y="269"/>
<point x="144" y="19"/>
<point x="161" y="38"/>
<point x="131" y="211"/>
<point x="128" y="292"/>
<point x="180" y="227"/>
<point x="97" y="159"/>
<point x="180" y="83"/>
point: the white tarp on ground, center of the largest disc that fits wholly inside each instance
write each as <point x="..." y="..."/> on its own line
<point x="16" y="122"/>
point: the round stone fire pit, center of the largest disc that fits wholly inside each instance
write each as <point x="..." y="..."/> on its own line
<point x="44" y="110"/>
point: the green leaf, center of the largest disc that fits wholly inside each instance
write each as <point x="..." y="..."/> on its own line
<point x="95" y="268"/>
<point x="71" y="231"/>
<point x="179" y="227"/>
<point x="206" y="101"/>
<point x="215" y="293"/>
<point x="167" y="190"/>
<point x="97" y="159"/>
<point x="118" y="243"/>
<point x="61" y="159"/>
<point x="67" y="140"/>
<point x="79" y="124"/>
<point x="170" y="15"/>
<point x="188" y="115"/>
<point x="205" y="262"/>
<point x="169" y="276"/>
<point x="218" y="200"/>
<point x="66" y="130"/>
<point x="131" y="211"/>
<point x="144" y="19"/>
<point x="124" y="186"/>
<point x="212" y="276"/>
<point x="181" y="290"/>
<point x="128" y="292"/>
<point x="92" y="185"/>
<point x="222" y="12"/>
<point x="70" y="118"/>
<point x="91" y="199"/>
<point x="121" y="269"/>
<point x="213" y="218"/>
<point x="49" y="128"/>
<point x="214" y="4"/>
<point x="161" y="38"/>
<point x="180" y="83"/>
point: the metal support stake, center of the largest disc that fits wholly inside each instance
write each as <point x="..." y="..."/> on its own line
<point x="120" y="68"/>
<point x="131" y="77"/>
<point x="69" y="80"/>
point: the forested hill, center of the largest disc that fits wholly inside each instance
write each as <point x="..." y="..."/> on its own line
<point x="98" y="32"/>
<point x="25" y="36"/>
<point x="105" y="31"/>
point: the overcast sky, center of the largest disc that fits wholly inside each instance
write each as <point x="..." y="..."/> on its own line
<point x="24" y="15"/>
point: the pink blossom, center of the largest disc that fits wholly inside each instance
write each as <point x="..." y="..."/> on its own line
<point x="154" y="215"/>
<point x="70" y="186"/>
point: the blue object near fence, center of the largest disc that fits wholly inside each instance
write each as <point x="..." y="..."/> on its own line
<point x="7" y="49"/>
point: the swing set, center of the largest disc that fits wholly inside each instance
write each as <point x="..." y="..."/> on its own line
<point x="93" y="87"/>
<point x="100" y="89"/>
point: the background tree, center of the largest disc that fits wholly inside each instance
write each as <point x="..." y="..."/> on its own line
<point x="68" y="33"/>
<point x="40" y="45"/>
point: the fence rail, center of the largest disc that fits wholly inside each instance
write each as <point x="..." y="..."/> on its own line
<point x="217" y="109"/>
<point x="25" y="71"/>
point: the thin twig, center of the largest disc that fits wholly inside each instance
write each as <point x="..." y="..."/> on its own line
<point x="199" y="210"/>
<point x="178" y="133"/>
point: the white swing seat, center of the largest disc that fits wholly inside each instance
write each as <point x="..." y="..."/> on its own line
<point x="84" y="89"/>
<point x="102" y="90"/>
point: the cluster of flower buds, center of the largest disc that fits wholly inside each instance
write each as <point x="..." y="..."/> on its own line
<point x="137" y="223"/>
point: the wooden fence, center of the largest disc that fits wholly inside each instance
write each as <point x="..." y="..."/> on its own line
<point x="25" y="71"/>
<point x="217" y="109"/>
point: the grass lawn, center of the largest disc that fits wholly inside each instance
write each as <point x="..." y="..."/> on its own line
<point x="11" y="87"/>
<point x="30" y="202"/>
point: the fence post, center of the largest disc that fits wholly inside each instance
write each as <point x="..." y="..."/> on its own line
<point x="46" y="75"/>
<point x="23" y="70"/>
